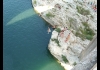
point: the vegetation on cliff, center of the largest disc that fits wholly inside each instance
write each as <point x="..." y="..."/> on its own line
<point x="58" y="30"/>
<point x="82" y="11"/>
<point x="64" y="59"/>
<point x="86" y="32"/>
<point x="56" y="41"/>
<point x="49" y="15"/>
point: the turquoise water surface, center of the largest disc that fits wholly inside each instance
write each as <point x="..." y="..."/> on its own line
<point x="25" y="38"/>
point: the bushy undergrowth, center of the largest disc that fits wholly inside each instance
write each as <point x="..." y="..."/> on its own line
<point x="49" y="15"/>
<point x="56" y="41"/>
<point x="74" y="63"/>
<point x="82" y="11"/>
<point x="58" y="30"/>
<point x="86" y="32"/>
<point x="64" y="59"/>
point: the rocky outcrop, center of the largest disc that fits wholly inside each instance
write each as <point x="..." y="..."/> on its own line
<point x="73" y="50"/>
<point x="71" y="14"/>
<point x="67" y="15"/>
<point x="70" y="49"/>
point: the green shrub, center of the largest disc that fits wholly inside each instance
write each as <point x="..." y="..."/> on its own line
<point x="87" y="29"/>
<point x="64" y="59"/>
<point x="80" y="35"/>
<point x="82" y="10"/>
<point x="56" y="41"/>
<point x="89" y="37"/>
<point x="90" y="31"/>
<point x="85" y="24"/>
<point x="67" y="8"/>
<point x="58" y="30"/>
<point x="49" y="15"/>
<point x="77" y="14"/>
<point x="86" y="32"/>
<point x="70" y="5"/>
<point x="71" y="20"/>
<point x="77" y="34"/>
<point x="54" y="10"/>
<point x="91" y="16"/>
<point x="35" y="2"/>
<point x="74" y="63"/>
<point x="80" y="3"/>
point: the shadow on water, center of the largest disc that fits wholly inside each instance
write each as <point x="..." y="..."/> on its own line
<point x="25" y="40"/>
<point x="23" y="15"/>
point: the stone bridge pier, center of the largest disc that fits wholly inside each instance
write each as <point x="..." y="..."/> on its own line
<point x="88" y="58"/>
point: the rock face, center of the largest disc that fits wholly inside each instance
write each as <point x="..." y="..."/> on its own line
<point x="88" y="62"/>
<point x="71" y="14"/>
<point x="70" y="49"/>
<point x="65" y="13"/>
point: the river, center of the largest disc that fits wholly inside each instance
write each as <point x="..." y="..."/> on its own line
<point x="25" y="38"/>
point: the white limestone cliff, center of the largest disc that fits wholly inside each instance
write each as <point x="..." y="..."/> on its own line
<point x="63" y="13"/>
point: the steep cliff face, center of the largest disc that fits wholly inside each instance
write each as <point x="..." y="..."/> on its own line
<point x="66" y="52"/>
<point x="68" y="14"/>
<point x="69" y="53"/>
<point x="81" y="22"/>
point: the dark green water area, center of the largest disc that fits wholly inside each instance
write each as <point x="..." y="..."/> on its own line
<point x="25" y="38"/>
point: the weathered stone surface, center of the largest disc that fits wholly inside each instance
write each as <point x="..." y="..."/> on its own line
<point x="88" y="62"/>
<point x="71" y="49"/>
<point x="77" y="49"/>
<point x="94" y="67"/>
